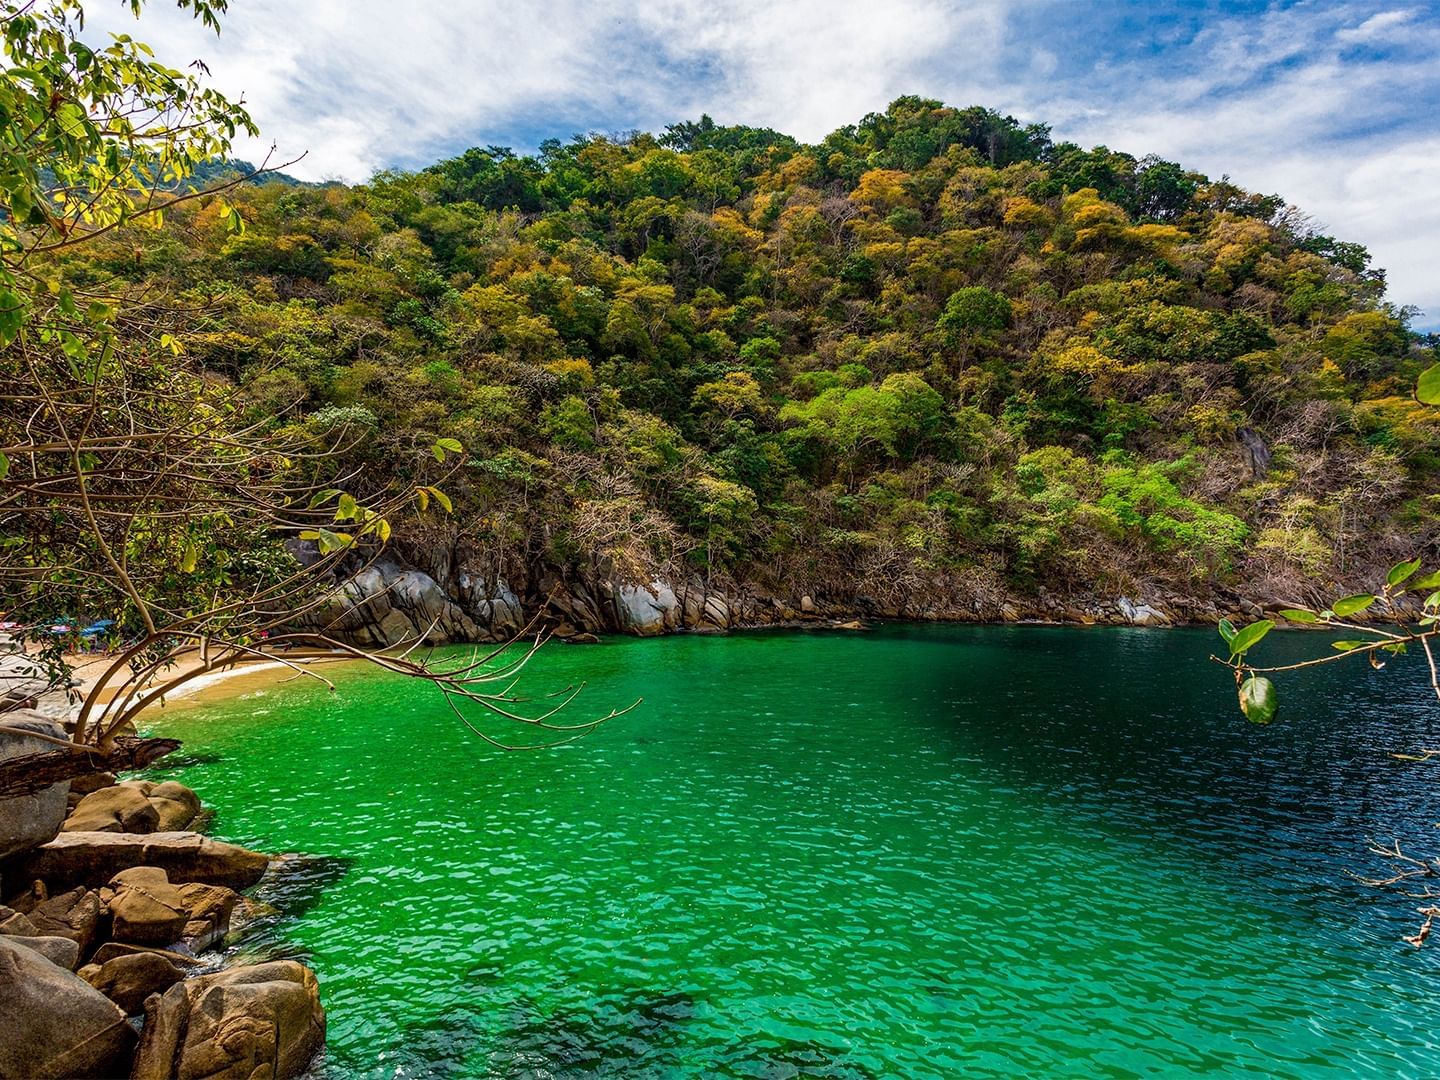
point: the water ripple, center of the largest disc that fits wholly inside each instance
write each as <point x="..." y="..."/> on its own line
<point x="916" y="853"/>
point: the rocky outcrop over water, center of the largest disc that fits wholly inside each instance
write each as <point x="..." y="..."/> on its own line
<point x="130" y="907"/>
<point x="264" y="1020"/>
<point x="392" y="602"/>
<point x="94" y="858"/>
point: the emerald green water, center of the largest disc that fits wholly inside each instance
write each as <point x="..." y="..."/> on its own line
<point x="911" y="852"/>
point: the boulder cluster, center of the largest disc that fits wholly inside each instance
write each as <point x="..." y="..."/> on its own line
<point x="111" y="901"/>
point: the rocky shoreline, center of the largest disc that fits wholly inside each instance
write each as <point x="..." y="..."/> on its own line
<point x="112" y="908"/>
<point x="394" y="601"/>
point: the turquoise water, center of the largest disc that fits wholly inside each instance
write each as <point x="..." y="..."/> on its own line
<point x="913" y="852"/>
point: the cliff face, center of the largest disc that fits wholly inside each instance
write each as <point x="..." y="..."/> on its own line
<point x="393" y="601"/>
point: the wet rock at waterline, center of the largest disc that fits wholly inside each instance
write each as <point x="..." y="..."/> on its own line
<point x="209" y="908"/>
<point x="263" y="1021"/>
<point x="1141" y="614"/>
<point x="145" y="908"/>
<point x="29" y="820"/>
<point x="136" y="806"/>
<point x="55" y="1025"/>
<point x="111" y="949"/>
<point x="93" y="858"/>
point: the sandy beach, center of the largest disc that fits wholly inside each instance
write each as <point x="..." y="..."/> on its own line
<point x="210" y="686"/>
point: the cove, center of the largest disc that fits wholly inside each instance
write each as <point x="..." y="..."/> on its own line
<point x="912" y="852"/>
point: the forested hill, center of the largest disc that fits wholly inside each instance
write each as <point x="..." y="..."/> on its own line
<point x="936" y="348"/>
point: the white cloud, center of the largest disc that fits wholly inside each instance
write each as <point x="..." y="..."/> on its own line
<point x="1377" y="27"/>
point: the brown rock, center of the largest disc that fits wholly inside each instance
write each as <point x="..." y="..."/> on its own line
<point x="210" y="908"/>
<point x="122" y="808"/>
<point x="54" y="1024"/>
<point x="92" y="858"/>
<point x="111" y="949"/>
<point x="176" y="804"/>
<point x="147" y="909"/>
<point x="74" y="914"/>
<point x="60" y="951"/>
<point x="129" y="979"/>
<point x="258" y="1023"/>
<point x="84" y="785"/>
<point x="16" y="923"/>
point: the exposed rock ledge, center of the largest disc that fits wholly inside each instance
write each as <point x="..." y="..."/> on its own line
<point x="388" y="603"/>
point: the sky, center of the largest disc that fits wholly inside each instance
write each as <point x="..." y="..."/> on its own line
<point x="1335" y="106"/>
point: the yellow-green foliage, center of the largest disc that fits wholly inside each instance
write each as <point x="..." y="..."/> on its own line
<point x="937" y="334"/>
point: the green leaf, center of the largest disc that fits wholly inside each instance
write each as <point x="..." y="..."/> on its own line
<point x="441" y="498"/>
<point x="4" y="466"/>
<point x="1246" y="639"/>
<point x="333" y="541"/>
<point x="1300" y="615"/>
<point x="1400" y="571"/>
<point x="1428" y="581"/>
<point x="347" y="508"/>
<point x="440" y="446"/>
<point x="1427" y="390"/>
<point x="1348" y="646"/>
<point x="1258" y="700"/>
<point x="322" y="497"/>
<point x="189" y="559"/>
<point x="1227" y="630"/>
<point x="1352" y="605"/>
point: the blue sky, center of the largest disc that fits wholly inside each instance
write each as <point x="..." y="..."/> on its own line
<point x="1336" y="106"/>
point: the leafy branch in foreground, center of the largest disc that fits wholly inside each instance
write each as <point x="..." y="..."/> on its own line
<point x="1259" y="699"/>
<point x="1403" y="626"/>
<point x="133" y="486"/>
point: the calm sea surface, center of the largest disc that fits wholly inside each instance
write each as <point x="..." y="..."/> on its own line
<point x="912" y="852"/>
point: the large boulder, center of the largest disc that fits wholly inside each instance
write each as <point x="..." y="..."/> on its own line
<point x="647" y="610"/>
<point x="16" y="923"/>
<point x="1137" y="614"/>
<point x="122" y="808"/>
<point x="26" y="821"/>
<point x="60" y="951"/>
<point x="53" y="1024"/>
<point x="136" y="806"/>
<point x="74" y="914"/>
<point x="129" y="979"/>
<point x="176" y="804"/>
<point x="146" y="908"/>
<point x="250" y="1023"/>
<point x="93" y="858"/>
<point x="209" y="908"/>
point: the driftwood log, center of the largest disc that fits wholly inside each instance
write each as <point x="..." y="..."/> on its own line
<point x="30" y="773"/>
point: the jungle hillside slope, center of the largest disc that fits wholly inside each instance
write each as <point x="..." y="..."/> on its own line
<point x="934" y="363"/>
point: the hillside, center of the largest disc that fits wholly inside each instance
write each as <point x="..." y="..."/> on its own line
<point x="934" y="362"/>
